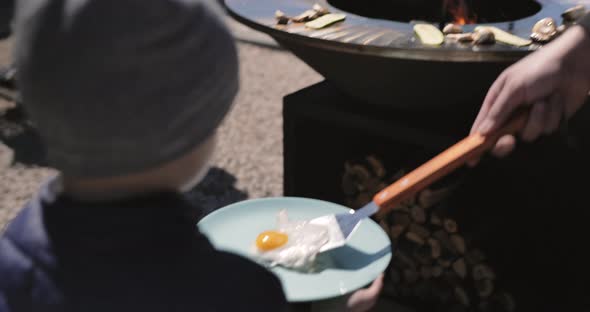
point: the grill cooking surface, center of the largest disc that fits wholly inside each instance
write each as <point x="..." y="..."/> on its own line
<point x="362" y="35"/>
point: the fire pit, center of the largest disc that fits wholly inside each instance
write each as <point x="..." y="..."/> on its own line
<point x="528" y="228"/>
<point x="375" y="56"/>
<point x="390" y="102"/>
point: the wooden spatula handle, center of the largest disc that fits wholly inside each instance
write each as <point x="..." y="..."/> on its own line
<point x="444" y="163"/>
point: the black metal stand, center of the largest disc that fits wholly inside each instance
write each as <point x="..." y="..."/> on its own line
<point x="324" y="128"/>
<point x="530" y="210"/>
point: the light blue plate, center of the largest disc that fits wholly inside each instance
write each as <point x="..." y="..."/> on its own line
<point x="234" y="228"/>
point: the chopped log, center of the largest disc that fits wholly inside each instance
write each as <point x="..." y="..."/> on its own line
<point x="424" y="199"/>
<point x="404" y="260"/>
<point x="394" y="275"/>
<point x="435" y="220"/>
<point x="362" y="199"/>
<point x="485" y="306"/>
<point x="435" y="249"/>
<point x="484" y="287"/>
<point x="400" y="218"/>
<point x="385" y="227"/>
<point x="437" y="271"/>
<point x="429" y="197"/>
<point x="377" y="166"/>
<point x="482" y="271"/>
<point x="390" y="290"/>
<point x="349" y="187"/>
<point x="396" y="231"/>
<point x="360" y="173"/>
<point x="462" y="297"/>
<point x="410" y="201"/>
<point x="410" y="276"/>
<point x="441" y="292"/>
<point x="422" y="255"/>
<point x="460" y="268"/>
<point x="445" y="241"/>
<point x="426" y="272"/>
<point x="402" y="208"/>
<point x="457" y="308"/>
<point x="418" y="214"/>
<point x="450" y="225"/>
<point x="404" y="290"/>
<point x="422" y="289"/>
<point x="506" y="301"/>
<point x="373" y="185"/>
<point x="451" y="278"/>
<point x="420" y="230"/>
<point x="445" y="263"/>
<point x="459" y="243"/>
<point x="398" y="175"/>
<point x="474" y="256"/>
<point x="411" y="236"/>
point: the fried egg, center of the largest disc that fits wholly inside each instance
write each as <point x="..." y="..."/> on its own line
<point x="293" y="244"/>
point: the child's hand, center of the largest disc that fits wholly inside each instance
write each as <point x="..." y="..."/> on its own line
<point x="365" y="299"/>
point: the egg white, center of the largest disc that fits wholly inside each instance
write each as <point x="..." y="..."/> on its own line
<point x="304" y="243"/>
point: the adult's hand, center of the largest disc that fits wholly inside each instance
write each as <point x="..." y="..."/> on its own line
<point x="555" y="81"/>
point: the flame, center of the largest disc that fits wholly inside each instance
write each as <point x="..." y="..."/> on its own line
<point x="460" y="12"/>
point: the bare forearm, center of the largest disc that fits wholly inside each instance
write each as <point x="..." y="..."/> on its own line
<point x="554" y="81"/>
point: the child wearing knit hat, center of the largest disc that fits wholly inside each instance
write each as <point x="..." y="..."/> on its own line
<point x="127" y="95"/>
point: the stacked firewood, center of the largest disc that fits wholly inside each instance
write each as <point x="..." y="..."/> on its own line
<point x="434" y="266"/>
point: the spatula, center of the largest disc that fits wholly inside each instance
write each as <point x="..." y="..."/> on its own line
<point x="341" y="226"/>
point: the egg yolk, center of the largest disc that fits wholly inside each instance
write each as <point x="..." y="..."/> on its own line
<point x="270" y="240"/>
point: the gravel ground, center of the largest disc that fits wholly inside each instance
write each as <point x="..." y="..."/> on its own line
<point x="248" y="162"/>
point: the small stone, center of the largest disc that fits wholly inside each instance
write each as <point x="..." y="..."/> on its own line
<point x="6" y="156"/>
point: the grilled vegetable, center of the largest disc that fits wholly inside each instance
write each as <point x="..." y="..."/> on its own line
<point x="326" y="20"/>
<point x="506" y="37"/>
<point x="429" y="34"/>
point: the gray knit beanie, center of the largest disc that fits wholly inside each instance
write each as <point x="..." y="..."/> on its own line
<point x="121" y="86"/>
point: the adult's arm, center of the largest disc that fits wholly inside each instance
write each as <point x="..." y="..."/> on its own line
<point x="554" y="81"/>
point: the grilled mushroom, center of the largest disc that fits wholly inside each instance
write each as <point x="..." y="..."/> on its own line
<point x="320" y="9"/>
<point x="452" y="29"/>
<point x="544" y="30"/>
<point x="281" y="18"/>
<point x="306" y="16"/>
<point x="484" y="36"/>
<point x="466" y="37"/>
<point x="573" y="14"/>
